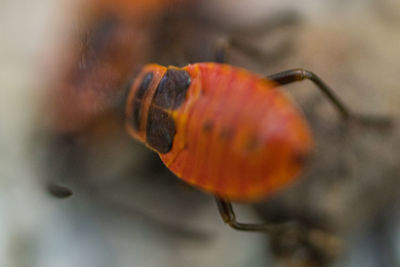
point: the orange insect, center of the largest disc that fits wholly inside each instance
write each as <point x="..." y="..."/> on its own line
<point x="220" y="128"/>
<point x="223" y="129"/>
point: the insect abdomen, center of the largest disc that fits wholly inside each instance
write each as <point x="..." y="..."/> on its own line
<point x="237" y="135"/>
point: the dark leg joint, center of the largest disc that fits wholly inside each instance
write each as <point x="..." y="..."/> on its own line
<point x="288" y="76"/>
<point x="226" y="211"/>
<point x="228" y="215"/>
<point x="296" y="75"/>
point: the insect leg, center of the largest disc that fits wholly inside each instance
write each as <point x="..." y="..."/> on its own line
<point x="316" y="241"/>
<point x="221" y="51"/>
<point x="296" y="75"/>
<point x="271" y="23"/>
<point x="236" y="38"/>
<point x="228" y="215"/>
<point x="225" y="44"/>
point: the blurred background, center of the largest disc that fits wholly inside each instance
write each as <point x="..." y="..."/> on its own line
<point x="64" y="69"/>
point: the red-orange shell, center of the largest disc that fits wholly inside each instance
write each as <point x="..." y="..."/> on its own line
<point x="238" y="135"/>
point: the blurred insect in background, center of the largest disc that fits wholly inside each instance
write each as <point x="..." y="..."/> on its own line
<point x="114" y="37"/>
<point x="86" y="96"/>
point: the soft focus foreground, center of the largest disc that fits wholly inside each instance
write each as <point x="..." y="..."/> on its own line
<point x="127" y="210"/>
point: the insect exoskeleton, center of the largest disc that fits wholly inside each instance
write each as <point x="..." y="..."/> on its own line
<point x="220" y="128"/>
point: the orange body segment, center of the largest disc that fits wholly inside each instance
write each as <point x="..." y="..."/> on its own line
<point x="236" y="134"/>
